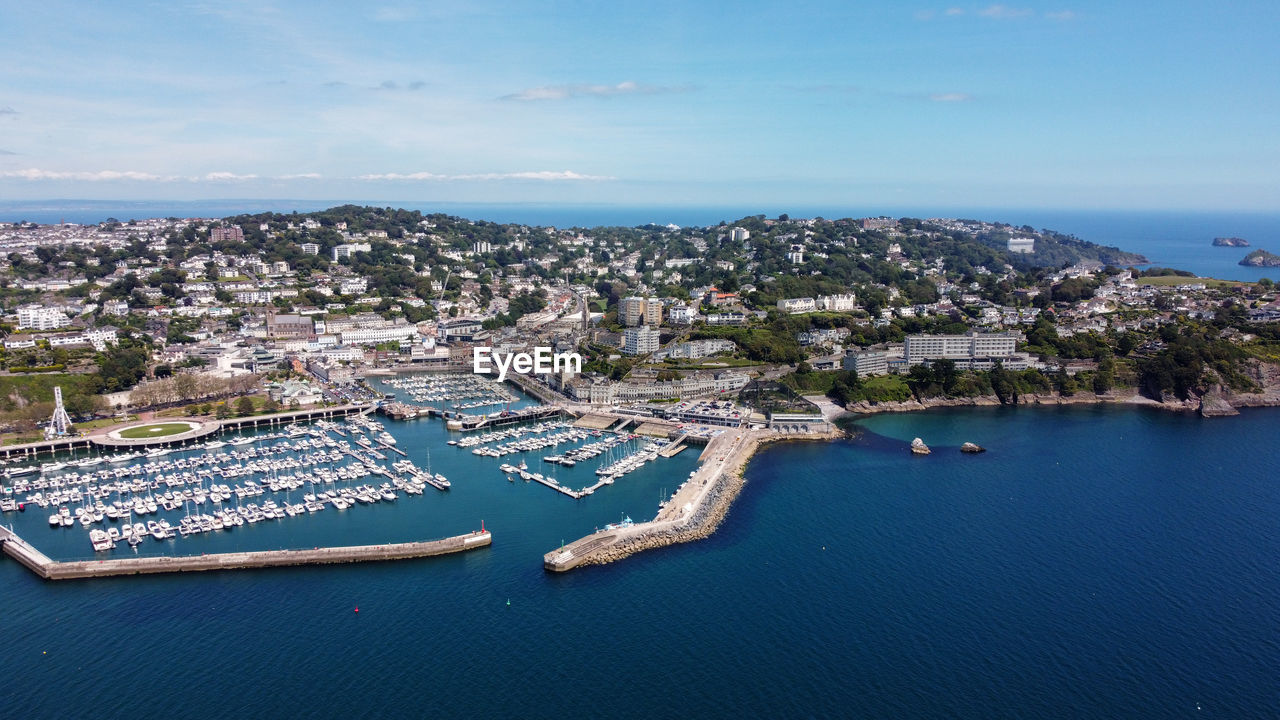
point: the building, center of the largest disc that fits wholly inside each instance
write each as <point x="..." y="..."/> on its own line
<point x="229" y="233"/>
<point x="375" y="336"/>
<point x="289" y="326"/>
<point x="119" y="308"/>
<point x="920" y="348"/>
<point x="695" y="349"/>
<point x="739" y="234"/>
<point x="867" y="362"/>
<point x="837" y="303"/>
<point x="1022" y="244"/>
<point x="797" y="305"/>
<point x="346" y="251"/>
<point x="640" y="340"/>
<point x="796" y="254"/>
<point x="634" y="311"/>
<point x="36" y="317"/>
<point x="310" y="248"/>
<point x="681" y="314"/>
<point x="481" y="247"/>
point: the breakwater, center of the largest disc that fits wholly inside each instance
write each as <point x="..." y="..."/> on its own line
<point x="48" y="569"/>
<point x="694" y="512"/>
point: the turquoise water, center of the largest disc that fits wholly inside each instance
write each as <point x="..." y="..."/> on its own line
<point x="1096" y="562"/>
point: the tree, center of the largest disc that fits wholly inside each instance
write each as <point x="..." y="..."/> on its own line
<point x="244" y="406"/>
<point x="271" y="405"/>
<point x="224" y="412"/>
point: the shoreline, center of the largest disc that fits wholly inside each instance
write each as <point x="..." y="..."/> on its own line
<point x="1215" y="403"/>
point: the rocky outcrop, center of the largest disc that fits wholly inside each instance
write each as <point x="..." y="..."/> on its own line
<point x="1213" y="404"/>
<point x="1261" y="258"/>
<point x="1230" y="242"/>
<point x="972" y="448"/>
<point x="919" y="448"/>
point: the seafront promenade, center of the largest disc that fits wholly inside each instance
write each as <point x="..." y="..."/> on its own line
<point x="48" y="569"/>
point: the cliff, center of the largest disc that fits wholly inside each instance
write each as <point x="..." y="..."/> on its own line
<point x="1213" y="400"/>
<point x="1230" y="242"/>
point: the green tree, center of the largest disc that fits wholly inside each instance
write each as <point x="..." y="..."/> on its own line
<point x="244" y="406"/>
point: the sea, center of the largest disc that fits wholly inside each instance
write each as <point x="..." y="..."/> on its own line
<point x="1095" y="562"/>
<point x="1181" y="240"/>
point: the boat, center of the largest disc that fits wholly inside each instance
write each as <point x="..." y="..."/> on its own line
<point x="625" y="522"/>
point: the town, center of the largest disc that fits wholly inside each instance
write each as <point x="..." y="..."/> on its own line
<point x="759" y="321"/>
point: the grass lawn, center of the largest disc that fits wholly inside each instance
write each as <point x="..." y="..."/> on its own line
<point x="104" y="422"/>
<point x="155" y="430"/>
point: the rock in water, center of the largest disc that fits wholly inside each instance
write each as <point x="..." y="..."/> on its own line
<point x="972" y="448"/>
<point x="1230" y="242"/>
<point x="919" y="448"/>
<point x="1261" y="258"/>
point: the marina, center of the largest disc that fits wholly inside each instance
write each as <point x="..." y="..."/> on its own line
<point x="287" y="486"/>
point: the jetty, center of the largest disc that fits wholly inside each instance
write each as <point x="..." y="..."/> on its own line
<point x="48" y="569"/>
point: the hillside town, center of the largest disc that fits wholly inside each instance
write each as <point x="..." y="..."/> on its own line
<point x="745" y="317"/>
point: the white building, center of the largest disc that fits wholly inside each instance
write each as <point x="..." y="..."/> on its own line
<point x="36" y="317"/>
<point x="1022" y="244"/>
<point x="797" y="305"/>
<point x="373" y="336"/>
<point x="919" y="348"/>
<point x="682" y="315"/>
<point x="310" y="248"/>
<point x="346" y="251"/>
<point x="837" y="303"/>
<point x="739" y="234"/>
<point x="639" y="340"/>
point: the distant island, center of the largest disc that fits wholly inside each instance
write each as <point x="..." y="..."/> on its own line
<point x="1261" y="258"/>
<point x="1230" y="242"/>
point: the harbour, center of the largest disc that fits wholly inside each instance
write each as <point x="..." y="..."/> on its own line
<point x="216" y="494"/>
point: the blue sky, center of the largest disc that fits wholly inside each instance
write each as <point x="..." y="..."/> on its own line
<point x="1071" y="104"/>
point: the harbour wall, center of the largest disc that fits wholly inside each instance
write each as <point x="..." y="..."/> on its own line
<point x="693" y="513"/>
<point x="47" y="569"/>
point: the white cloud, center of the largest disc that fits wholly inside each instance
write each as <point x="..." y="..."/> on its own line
<point x="227" y="177"/>
<point x="951" y="97"/>
<point x="1003" y="12"/>
<point x="564" y="92"/>
<point x="544" y="175"/>
<point x="6" y="110"/>
<point x="98" y="176"/>
<point x="954" y="11"/>
<point x="1061" y="15"/>
<point x="300" y="176"/>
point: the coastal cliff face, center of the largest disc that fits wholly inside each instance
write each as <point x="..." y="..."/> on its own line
<point x="1213" y="400"/>
<point x="1230" y="242"/>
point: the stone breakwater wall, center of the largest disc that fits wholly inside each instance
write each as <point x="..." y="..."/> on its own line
<point x="700" y="522"/>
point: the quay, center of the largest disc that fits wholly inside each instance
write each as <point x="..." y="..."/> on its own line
<point x="41" y="565"/>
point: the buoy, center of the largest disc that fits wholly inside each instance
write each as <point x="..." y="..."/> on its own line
<point x="508" y="602"/>
<point x="357" y="610"/>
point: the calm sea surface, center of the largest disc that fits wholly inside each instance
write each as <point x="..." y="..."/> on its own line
<point x="1095" y="563"/>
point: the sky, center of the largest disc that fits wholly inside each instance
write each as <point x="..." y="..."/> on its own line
<point x="1073" y="104"/>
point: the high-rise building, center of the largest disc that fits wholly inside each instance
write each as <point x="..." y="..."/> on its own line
<point x="640" y="340"/>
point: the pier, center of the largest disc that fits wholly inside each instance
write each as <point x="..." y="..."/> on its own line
<point x="48" y="569"/>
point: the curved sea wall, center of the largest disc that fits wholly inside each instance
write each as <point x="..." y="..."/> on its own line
<point x="712" y="498"/>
